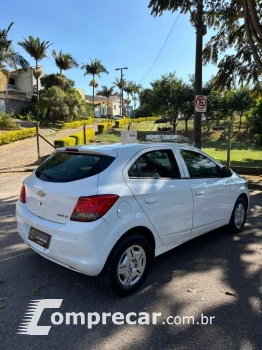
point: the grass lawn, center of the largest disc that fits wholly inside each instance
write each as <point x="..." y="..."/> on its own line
<point x="214" y="143"/>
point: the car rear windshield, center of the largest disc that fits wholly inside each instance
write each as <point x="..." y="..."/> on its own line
<point x="66" y="167"/>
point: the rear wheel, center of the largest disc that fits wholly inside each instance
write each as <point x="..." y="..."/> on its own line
<point x="128" y="265"/>
<point x="238" y="217"/>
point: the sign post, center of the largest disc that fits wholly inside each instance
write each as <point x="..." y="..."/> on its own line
<point x="200" y="103"/>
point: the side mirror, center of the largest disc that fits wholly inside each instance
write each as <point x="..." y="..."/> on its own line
<point x="227" y="172"/>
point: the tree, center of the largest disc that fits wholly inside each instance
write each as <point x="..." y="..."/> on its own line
<point x="136" y="89"/>
<point x="52" y="104"/>
<point x="57" y="104"/>
<point x="106" y="92"/>
<point x="36" y="49"/>
<point x="49" y="80"/>
<point x="128" y="88"/>
<point x="119" y="85"/>
<point x="167" y="97"/>
<point x="223" y="16"/>
<point x="242" y="102"/>
<point x="77" y="105"/>
<point x="187" y="106"/>
<point x="93" y="83"/>
<point x="213" y="99"/>
<point x="7" y="54"/>
<point x="64" y="61"/>
<point x="255" y="121"/>
<point x="95" y="68"/>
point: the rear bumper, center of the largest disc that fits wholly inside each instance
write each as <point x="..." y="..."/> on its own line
<point x="82" y="247"/>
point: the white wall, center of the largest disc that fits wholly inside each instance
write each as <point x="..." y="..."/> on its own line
<point x="25" y="81"/>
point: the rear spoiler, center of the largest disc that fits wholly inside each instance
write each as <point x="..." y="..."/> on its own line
<point x="105" y="152"/>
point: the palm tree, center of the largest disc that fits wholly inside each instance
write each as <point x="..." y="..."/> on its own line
<point x="64" y="61"/>
<point x="95" y="68"/>
<point x="8" y="55"/>
<point x="136" y="90"/>
<point x="120" y="85"/>
<point x="93" y="83"/>
<point x="106" y="92"/>
<point x="36" y="49"/>
<point x="129" y="88"/>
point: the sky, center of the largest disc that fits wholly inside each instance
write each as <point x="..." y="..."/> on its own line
<point x="120" y="33"/>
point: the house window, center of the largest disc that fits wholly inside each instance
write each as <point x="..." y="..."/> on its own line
<point x="114" y="107"/>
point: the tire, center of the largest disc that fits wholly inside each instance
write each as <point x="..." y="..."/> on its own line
<point x="135" y="255"/>
<point x="238" y="217"/>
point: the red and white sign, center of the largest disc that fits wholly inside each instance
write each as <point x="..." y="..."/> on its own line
<point x="200" y="103"/>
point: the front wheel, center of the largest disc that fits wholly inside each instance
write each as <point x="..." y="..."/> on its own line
<point x="238" y="217"/>
<point x="128" y="265"/>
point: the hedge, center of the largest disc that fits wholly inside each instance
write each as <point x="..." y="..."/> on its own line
<point x="65" y="141"/>
<point x="138" y="120"/>
<point x="107" y="121"/>
<point x="77" y="123"/>
<point x="106" y="124"/>
<point x="16" y="135"/>
<point x="75" y="139"/>
<point x="79" y="137"/>
<point x="122" y="122"/>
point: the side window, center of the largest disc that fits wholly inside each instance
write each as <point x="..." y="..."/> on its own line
<point x="200" y="166"/>
<point x="155" y="165"/>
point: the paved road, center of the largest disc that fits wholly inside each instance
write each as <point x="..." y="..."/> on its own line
<point x="190" y="280"/>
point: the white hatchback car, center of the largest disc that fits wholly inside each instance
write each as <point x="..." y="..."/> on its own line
<point x="111" y="209"/>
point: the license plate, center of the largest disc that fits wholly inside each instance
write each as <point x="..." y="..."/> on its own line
<point x="39" y="237"/>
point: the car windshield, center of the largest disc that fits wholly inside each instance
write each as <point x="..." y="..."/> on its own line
<point x="66" y="167"/>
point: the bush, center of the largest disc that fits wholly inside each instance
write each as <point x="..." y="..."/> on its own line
<point x="107" y="121"/>
<point x="77" y="123"/>
<point x="65" y="141"/>
<point x="16" y="135"/>
<point x="106" y="124"/>
<point x="79" y="137"/>
<point x="6" y="122"/>
<point x="122" y="122"/>
<point x="145" y="119"/>
<point x="75" y="139"/>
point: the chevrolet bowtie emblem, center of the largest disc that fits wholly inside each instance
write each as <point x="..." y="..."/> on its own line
<point x="41" y="193"/>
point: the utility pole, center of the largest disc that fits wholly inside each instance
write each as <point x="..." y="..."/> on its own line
<point x="200" y="32"/>
<point x="122" y="89"/>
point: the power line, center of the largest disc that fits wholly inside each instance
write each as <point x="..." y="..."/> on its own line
<point x="161" y="48"/>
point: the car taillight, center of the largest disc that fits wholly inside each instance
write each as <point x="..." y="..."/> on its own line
<point x="93" y="208"/>
<point x="23" y="194"/>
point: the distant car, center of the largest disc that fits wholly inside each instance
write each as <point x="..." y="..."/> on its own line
<point x="164" y="129"/>
<point x="111" y="209"/>
<point x="162" y="120"/>
<point x="117" y="117"/>
<point x="219" y="127"/>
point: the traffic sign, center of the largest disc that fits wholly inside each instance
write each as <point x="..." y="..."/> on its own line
<point x="200" y="103"/>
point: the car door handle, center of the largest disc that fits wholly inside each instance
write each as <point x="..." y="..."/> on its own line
<point x="200" y="193"/>
<point x="151" y="200"/>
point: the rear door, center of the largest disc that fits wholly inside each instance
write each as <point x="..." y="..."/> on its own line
<point x="52" y="191"/>
<point x="211" y="191"/>
<point x="155" y="180"/>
